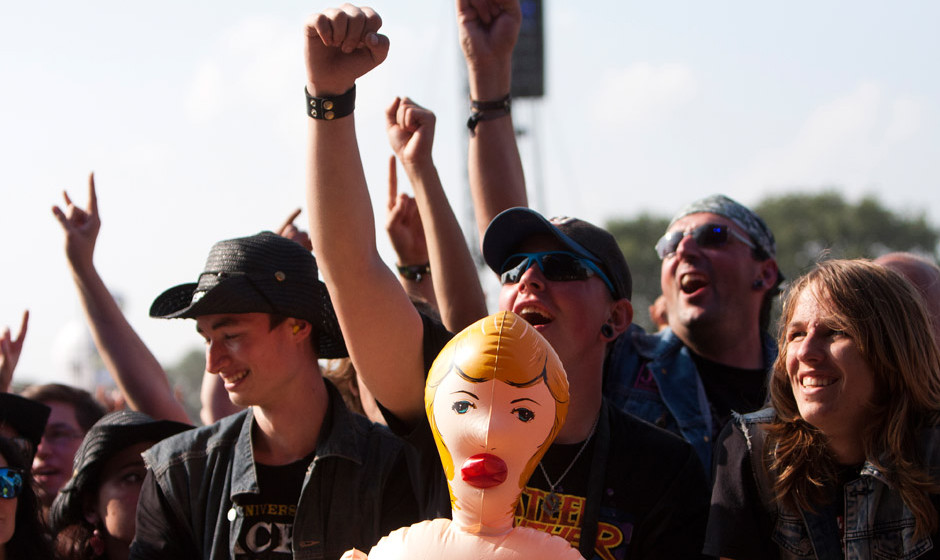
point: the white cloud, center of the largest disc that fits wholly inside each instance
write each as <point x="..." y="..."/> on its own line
<point x="642" y="92"/>
<point x="842" y="142"/>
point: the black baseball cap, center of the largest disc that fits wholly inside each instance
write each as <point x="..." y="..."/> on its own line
<point x="510" y="228"/>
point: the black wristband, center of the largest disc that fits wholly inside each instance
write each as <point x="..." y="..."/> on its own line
<point x="415" y="272"/>
<point x="488" y="110"/>
<point x="329" y="108"/>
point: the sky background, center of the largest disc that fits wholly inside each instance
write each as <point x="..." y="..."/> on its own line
<point x="190" y="115"/>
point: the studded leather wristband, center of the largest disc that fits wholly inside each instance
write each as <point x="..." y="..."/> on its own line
<point x="415" y="272"/>
<point x="488" y="110"/>
<point x="329" y="108"/>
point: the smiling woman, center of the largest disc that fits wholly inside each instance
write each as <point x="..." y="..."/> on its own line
<point x="845" y="459"/>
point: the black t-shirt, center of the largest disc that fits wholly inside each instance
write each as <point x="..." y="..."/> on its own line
<point x="654" y="495"/>
<point x="269" y="516"/>
<point x="730" y="388"/>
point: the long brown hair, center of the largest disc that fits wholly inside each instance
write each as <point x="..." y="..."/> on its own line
<point x="886" y="319"/>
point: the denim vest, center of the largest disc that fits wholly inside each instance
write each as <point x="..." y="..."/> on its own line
<point x="680" y="404"/>
<point x="877" y="522"/>
<point x="202" y="473"/>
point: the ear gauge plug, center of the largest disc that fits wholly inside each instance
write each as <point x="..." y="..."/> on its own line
<point x="607" y="330"/>
<point x="758" y="284"/>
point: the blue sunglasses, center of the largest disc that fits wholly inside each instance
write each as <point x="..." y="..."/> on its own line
<point x="11" y="482"/>
<point x="557" y="266"/>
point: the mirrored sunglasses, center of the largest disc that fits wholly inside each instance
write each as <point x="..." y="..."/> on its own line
<point x="11" y="482"/>
<point x="707" y="236"/>
<point x="557" y="266"/>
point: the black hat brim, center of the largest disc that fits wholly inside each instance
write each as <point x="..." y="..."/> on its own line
<point x="510" y="228"/>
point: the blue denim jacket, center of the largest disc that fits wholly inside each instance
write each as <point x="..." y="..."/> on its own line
<point x="189" y="503"/>
<point x="680" y="404"/>
<point x="877" y="522"/>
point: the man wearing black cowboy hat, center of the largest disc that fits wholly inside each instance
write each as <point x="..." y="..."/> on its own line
<point x="294" y="474"/>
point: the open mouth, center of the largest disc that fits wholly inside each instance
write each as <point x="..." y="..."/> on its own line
<point x="234" y="378"/>
<point x="534" y="317"/>
<point x="484" y="471"/>
<point x="811" y="381"/>
<point x="692" y="282"/>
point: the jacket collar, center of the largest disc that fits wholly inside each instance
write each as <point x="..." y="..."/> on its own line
<point x="341" y="437"/>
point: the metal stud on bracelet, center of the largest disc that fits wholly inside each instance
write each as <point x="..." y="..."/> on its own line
<point x="329" y="108"/>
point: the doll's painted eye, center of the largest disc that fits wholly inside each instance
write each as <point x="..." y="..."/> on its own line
<point x="523" y="414"/>
<point x="461" y="407"/>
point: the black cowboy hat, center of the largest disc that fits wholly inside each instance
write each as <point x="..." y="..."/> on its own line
<point x="262" y="273"/>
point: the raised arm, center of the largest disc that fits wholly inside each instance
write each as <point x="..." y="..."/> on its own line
<point x="406" y="232"/>
<point x="134" y="368"/>
<point x="456" y="284"/>
<point x="10" y="350"/>
<point x="488" y="30"/>
<point x="383" y="331"/>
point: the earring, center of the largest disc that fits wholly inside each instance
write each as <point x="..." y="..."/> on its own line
<point x="296" y="329"/>
<point x="607" y="330"/>
<point x="96" y="543"/>
<point x="758" y="284"/>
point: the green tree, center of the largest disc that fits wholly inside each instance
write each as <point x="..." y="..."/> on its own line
<point x="808" y="227"/>
<point x="637" y="239"/>
<point x="813" y="227"/>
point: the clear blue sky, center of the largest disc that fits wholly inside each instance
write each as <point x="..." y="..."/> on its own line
<point x="189" y="113"/>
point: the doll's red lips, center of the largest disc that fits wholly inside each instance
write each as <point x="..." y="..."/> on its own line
<point x="484" y="471"/>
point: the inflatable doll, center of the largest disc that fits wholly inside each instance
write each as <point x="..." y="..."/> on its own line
<point x="496" y="397"/>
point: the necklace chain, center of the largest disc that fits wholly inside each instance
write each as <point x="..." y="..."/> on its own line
<point x="552" y="502"/>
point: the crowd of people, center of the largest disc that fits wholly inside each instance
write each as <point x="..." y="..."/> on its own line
<point x="719" y="435"/>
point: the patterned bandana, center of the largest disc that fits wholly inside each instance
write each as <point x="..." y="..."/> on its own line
<point x="739" y="214"/>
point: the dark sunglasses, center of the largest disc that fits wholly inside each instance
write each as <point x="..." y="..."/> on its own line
<point x="11" y="482"/>
<point x="708" y="235"/>
<point x="557" y="266"/>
